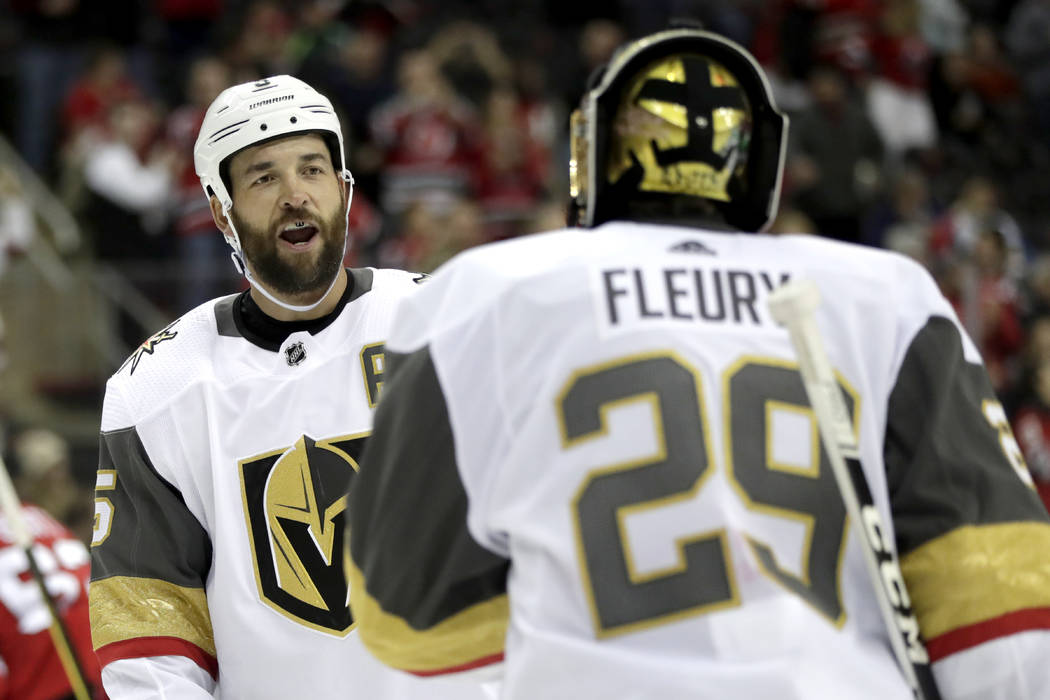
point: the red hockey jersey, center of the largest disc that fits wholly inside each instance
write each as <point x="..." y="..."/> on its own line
<point x="30" y="668"/>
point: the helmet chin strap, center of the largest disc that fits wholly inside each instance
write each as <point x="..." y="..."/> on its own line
<point x="239" y="262"/>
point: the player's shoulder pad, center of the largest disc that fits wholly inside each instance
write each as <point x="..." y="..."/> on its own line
<point x="897" y="280"/>
<point x="168" y="361"/>
<point x="915" y="293"/>
<point x="390" y="280"/>
<point x="896" y="274"/>
<point x="476" y="281"/>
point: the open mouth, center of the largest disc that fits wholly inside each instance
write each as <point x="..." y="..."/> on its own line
<point x="298" y="233"/>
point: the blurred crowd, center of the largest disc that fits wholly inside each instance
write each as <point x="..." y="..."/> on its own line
<point x="922" y="126"/>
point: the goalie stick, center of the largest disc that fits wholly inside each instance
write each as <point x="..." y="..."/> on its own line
<point x="12" y="509"/>
<point x="792" y="305"/>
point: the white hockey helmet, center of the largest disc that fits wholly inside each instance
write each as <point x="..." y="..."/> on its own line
<point x="246" y="114"/>
<point x="250" y="113"/>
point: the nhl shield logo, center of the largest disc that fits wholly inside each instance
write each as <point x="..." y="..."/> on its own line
<point x="295" y="354"/>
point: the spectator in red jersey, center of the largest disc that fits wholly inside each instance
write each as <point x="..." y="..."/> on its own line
<point x="512" y="173"/>
<point x="542" y="114"/>
<point x="844" y="33"/>
<point x="989" y="308"/>
<point x="30" y="666"/>
<point x="427" y="133"/>
<point x="104" y="84"/>
<point x="130" y="178"/>
<point x="975" y="209"/>
<point x="205" y="269"/>
<point x="129" y="181"/>
<point x="896" y="95"/>
<point x="991" y="75"/>
<point x="795" y="35"/>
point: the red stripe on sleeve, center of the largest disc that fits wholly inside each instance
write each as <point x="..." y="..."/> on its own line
<point x="477" y="663"/>
<point x="158" y="646"/>
<point x="970" y="636"/>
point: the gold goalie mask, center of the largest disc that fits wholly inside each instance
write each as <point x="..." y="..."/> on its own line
<point x="681" y="124"/>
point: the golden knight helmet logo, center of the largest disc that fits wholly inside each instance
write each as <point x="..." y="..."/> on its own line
<point x="295" y="502"/>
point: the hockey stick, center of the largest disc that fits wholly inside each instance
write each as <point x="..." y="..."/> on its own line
<point x="12" y="510"/>
<point x="792" y="306"/>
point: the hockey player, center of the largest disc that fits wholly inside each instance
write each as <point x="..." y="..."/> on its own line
<point x="30" y="663"/>
<point x="228" y="439"/>
<point x="627" y="496"/>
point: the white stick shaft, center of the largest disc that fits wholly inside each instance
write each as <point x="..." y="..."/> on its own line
<point x="12" y="509"/>
<point x="793" y="306"/>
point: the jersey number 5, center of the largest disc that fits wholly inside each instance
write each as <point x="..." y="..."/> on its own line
<point x="624" y="599"/>
<point x="105" y="480"/>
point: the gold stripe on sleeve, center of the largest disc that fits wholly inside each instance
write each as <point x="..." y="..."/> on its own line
<point x="127" y="607"/>
<point x="977" y="572"/>
<point x="469" y="635"/>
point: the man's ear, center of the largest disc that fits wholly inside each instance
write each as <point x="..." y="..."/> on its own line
<point x="218" y="216"/>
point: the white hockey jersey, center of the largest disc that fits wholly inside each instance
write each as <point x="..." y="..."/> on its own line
<point x="628" y="497"/>
<point x="217" y="560"/>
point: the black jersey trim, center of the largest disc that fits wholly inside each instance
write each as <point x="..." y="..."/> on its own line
<point x="409" y="541"/>
<point x="224" y="322"/>
<point x="153" y="533"/>
<point x="240" y="317"/>
<point x="469" y="639"/>
<point x="945" y="465"/>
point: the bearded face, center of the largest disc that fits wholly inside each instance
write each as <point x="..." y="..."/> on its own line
<point x="290" y="214"/>
<point x="289" y="273"/>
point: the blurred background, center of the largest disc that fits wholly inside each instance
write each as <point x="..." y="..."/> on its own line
<point x="917" y="125"/>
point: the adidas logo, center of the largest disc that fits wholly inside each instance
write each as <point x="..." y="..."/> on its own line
<point x="691" y="247"/>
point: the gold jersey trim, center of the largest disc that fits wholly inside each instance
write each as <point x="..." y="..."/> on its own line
<point x="474" y="633"/>
<point x="127" y="607"/>
<point x="978" y="572"/>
